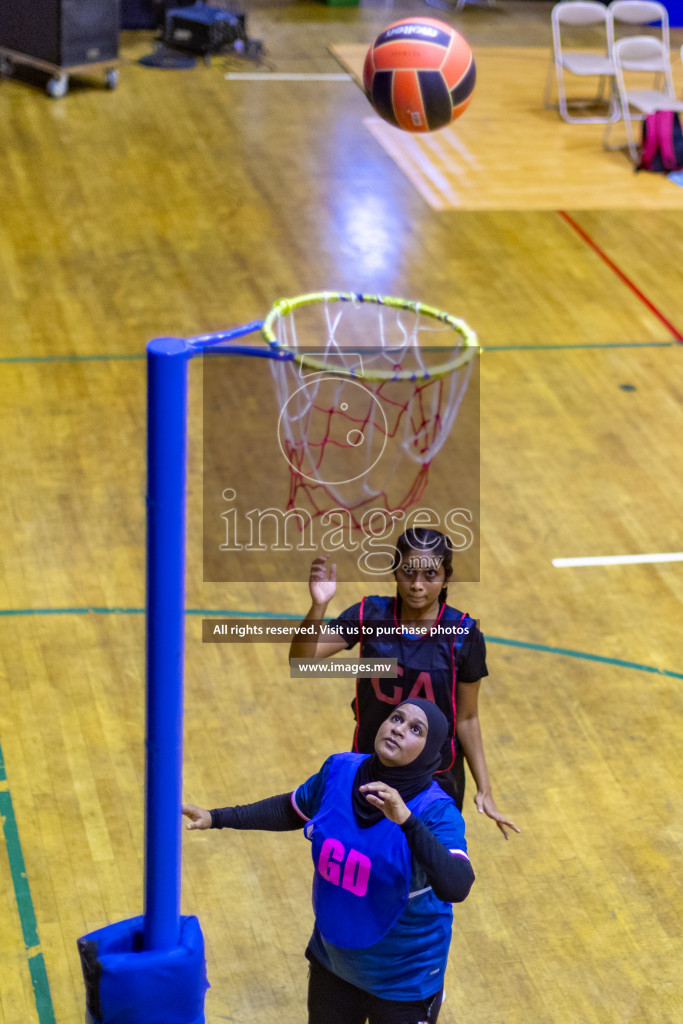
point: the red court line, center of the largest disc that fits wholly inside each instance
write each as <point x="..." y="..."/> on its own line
<point x="620" y="274"/>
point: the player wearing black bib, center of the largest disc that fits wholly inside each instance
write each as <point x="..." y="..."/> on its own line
<point x="440" y="651"/>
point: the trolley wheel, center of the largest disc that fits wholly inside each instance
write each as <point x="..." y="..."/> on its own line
<point x="111" y="77"/>
<point x="57" y="87"/>
<point x="6" y="67"/>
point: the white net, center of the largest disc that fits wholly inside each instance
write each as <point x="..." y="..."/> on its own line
<point x="368" y="399"/>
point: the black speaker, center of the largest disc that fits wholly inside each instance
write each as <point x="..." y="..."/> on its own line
<point x="203" y="29"/>
<point x="63" y="32"/>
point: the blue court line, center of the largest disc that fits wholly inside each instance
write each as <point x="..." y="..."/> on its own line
<point x="485" y="348"/>
<point x="232" y="613"/>
<point x="24" y="901"/>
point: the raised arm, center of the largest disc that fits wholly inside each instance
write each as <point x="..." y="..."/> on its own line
<point x="274" y="814"/>
<point x="322" y="585"/>
<point x="283" y="813"/>
<point x="469" y="737"/>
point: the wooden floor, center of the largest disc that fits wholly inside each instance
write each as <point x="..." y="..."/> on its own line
<point x="185" y="202"/>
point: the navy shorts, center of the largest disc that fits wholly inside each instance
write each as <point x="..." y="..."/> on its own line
<point x="331" y="1000"/>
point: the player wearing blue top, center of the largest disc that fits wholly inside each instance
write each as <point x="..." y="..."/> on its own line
<point x="441" y="656"/>
<point x="390" y="858"/>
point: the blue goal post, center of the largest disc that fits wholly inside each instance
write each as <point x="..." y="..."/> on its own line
<point x="167" y="387"/>
<point x="151" y="969"/>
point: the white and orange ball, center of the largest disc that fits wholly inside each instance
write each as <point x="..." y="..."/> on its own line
<point x="419" y="74"/>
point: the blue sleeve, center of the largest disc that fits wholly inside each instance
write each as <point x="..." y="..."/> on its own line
<point x="445" y="821"/>
<point x="307" y="798"/>
<point x="347" y="625"/>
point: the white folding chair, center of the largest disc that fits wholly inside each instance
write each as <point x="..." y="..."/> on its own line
<point x="641" y="55"/>
<point x="639" y="13"/>
<point x="581" y="14"/>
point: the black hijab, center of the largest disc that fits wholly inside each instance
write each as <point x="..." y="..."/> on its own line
<point x="409" y="779"/>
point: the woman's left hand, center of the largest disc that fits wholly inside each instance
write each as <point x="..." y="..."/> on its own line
<point x="487" y="805"/>
<point x="199" y="818"/>
<point x="388" y="800"/>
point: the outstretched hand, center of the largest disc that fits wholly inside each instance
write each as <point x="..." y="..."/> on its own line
<point x="321" y="584"/>
<point x="199" y="818"/>
<point x="387" y="799"/>
<point x="487" y="805"/>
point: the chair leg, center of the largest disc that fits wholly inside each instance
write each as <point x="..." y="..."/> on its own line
<point x="606" y="134"/>
<point x="614" y="105"/>
<point x="630" y="138"/>
<point x="561" y="95"/>
<point x="608" y="94"/>
<point x="632" y="147"/>
<point x="670" y="88"/>
<point x="618" y="116"/>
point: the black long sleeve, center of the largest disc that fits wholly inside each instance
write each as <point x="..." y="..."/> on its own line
<point x="274" y="814"/>
<point x="449" y="875"/>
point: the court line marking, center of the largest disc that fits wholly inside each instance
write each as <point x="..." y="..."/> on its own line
<point x="570" y="563"/>
<point x="420" y="183"/>
<point x="104" y="357"/>
<point x="285" y="76"/>
<point x="233" y="613"/>
<point x="584" y="655"/>
<point x="24" y="902"/>
<point x="420" y="171"/>
<point x="578" y="345"/>
<point x="72" y="358"/>
<point x="582" y="233"/>
<point x="455" y="143"/>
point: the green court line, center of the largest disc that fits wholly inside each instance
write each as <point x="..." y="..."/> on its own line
<point x="70" y="358"/>
<point x="568" y="653"/>
<point x="231" y="613"/>
<point x="588" y="345"/>
<point x="485" y="348"/>
<point x="24" y="901"/>
<point x="41" y="989"/>
<point x="85" y="610"/>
